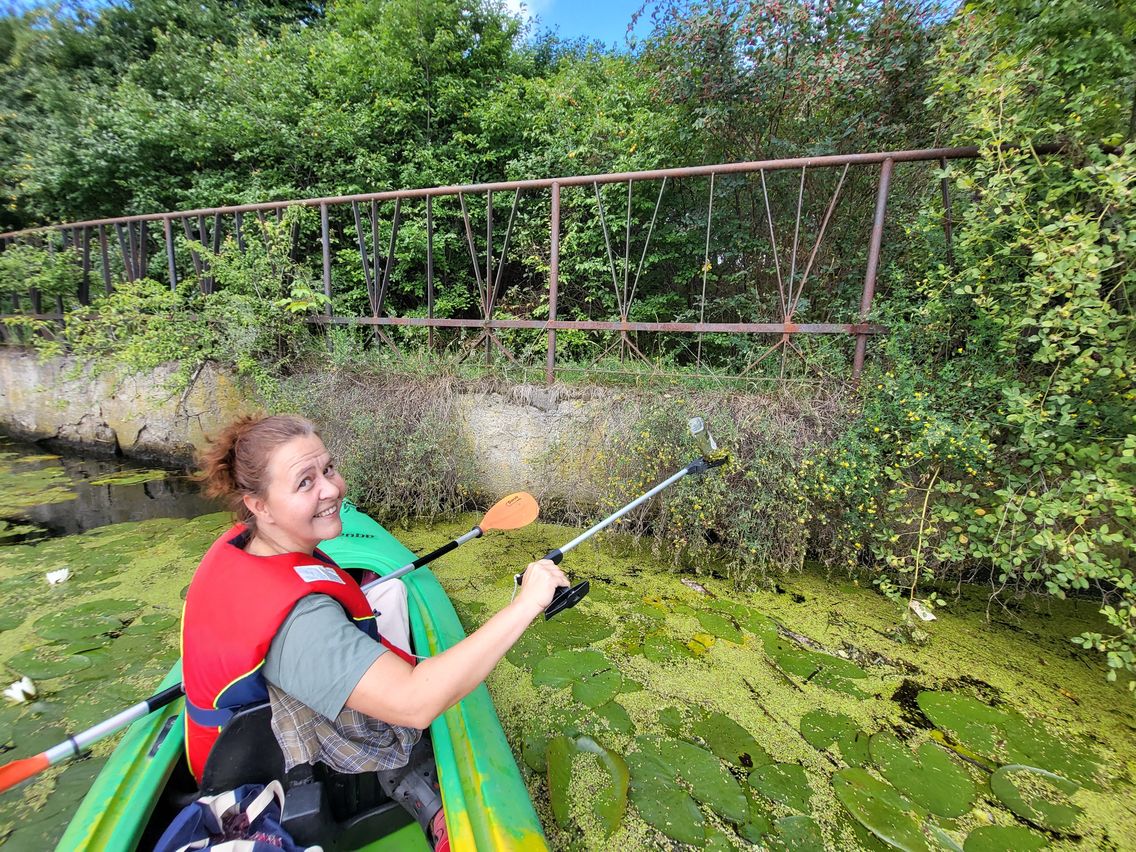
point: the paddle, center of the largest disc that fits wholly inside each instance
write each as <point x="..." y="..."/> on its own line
<point x="569" y="596"/>
<point x="508" y="513"/>
<point x="13" y="773"/>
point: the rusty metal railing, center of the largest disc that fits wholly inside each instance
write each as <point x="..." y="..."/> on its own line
<point x="128" y="247"/>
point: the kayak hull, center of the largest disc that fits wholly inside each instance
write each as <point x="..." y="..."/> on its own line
<point x="486" y="803"/>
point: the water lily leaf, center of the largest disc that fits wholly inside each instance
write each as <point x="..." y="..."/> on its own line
<point x="560" y="751"/>
<point x="650" y="609"/>
<point x="10" y="619"/>
<point x="39" y="666"/>
<point x="572" y="628"/>
<point x="881" y="809"/>
<point x="709" y="781"/>
<point x="660" y="648"/>
<point x="1004" y="838"/>
<point x="757" y="823"/>
<point x="799" y="834"/>
<point x="129" y="477"/>
<point x="610" y="802"/>
<point x="671" y="721"/>
<point x="596" y="689"/>
<point x="542" y="729"/>
<point x="615" y="717"/>
<point x="154" y="622"/>
<point x="700" y="643"/>
<point x="1005" y="737"/>
<point x="564" y="667"/>
<point x="820" y="728"/>
<point x="1036" y="795"/>
<point x="661" y="803"/>
<point x="931" y="779"/>
<point x="784" y="783"/>
<point x="716" y="625"/>
<point x="812" y="666"/>
<point x="729" y="740"/>
<point x="64" y="626"/>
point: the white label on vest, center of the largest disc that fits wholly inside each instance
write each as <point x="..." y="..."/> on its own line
<point x="317" y="573"/>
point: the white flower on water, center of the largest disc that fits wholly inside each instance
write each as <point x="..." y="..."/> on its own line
<point x="54" y="578"/>
<point x="22" y="691"/>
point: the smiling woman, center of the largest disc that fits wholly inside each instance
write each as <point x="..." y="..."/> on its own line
<point x="268" y="616"/>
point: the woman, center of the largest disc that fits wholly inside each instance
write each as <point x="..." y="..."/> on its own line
<point x="266" y="609"/>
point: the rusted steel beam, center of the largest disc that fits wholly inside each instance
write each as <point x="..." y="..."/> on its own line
<point x="873" y="265"/>
<point x="599" y="325"/>
<point x="918" y="155"/>
<point x="948" y="215"/>
<point x="553" y="284"/>
<point x="171" y="265"/>
<point x="325" y="245"/>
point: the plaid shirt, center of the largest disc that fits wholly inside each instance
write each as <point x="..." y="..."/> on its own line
<point x="352" y="742"/>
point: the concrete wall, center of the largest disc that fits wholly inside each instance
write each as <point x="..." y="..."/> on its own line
<point x="139" y="416"/>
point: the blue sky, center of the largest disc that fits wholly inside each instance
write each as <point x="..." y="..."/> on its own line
<point x="603" y="20"/>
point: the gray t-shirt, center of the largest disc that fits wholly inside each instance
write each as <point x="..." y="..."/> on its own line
<point x="318" y="655"/>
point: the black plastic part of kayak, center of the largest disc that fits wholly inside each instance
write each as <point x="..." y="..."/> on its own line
<point x="321" y="807"/>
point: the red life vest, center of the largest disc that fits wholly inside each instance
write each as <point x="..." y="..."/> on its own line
<point x="235" y="605"/>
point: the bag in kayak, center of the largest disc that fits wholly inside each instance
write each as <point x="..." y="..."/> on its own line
<point x="246" y="819"/>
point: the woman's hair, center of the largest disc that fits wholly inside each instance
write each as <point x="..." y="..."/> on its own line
<point x="235" y="462"/>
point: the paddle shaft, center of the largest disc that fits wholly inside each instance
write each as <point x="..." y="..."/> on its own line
<point x="422" y="560"/>
<point x="20" y="770"/>
<point x="569" y="596"/>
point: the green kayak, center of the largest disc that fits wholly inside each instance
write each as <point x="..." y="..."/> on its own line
<point x="144" y="783"/>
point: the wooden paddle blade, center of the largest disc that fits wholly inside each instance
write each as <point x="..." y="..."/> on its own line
<point x="511" y="513"/>
<point x="13" y="773"/>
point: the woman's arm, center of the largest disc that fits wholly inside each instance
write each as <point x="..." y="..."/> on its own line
<point x="414" y="696"/>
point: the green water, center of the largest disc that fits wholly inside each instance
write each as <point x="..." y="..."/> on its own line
<point x="718" y="703"/>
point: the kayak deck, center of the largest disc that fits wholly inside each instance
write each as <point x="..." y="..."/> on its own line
<point x="487" y="805"/>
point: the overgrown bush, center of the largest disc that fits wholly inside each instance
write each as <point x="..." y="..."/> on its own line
<point x="398" y="440"/>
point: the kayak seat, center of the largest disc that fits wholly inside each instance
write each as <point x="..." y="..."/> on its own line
<point x="321" y="806"/>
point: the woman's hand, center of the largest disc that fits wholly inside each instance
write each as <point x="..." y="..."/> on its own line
<point x="539" y="584"/>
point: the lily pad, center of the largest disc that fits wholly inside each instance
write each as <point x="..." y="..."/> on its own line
<point x="729" y="740"/>
<point x="813" y="666"/>
<point x="1004" y="838"/>
<point x="799" y="834"/>
<point x="615" y="717"/>
<point x="560" y="751"/>
<point x="154" y="622"/>
<point x="716" y="625"/>
<point x="708" y="779"/>
<point x="540" y="731"/>
<point x="700" y="643"/>
<point x="784" y="783"/>
<point x="1005" y="737"/>
<point x="570" y="629"/>
<point x="660" y="648"/>
<point x="129" y="477"/>
<point x="39" y="667"/>
<point x="610" y="802"/>
<point x="10" y="620"/>
<point x="1036" y="795"/>
<point x="821" y="728"/>
<point x="596" y="689"/>
<point x="661" y="803"/>
<point x="565" y="667"/>
<point x="64" y="626"/>
<point x="881" y="809"/>
<point x="931" y="779"/>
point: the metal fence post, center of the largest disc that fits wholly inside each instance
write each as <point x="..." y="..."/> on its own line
<point x="553" y="283"/>
<point x="325" y="242"/>
<point x="873" y="265"/>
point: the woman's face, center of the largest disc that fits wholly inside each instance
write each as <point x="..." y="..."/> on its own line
<point x="300" y="507"/>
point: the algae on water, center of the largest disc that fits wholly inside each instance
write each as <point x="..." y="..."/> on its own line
<point x="846" y="735"/>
